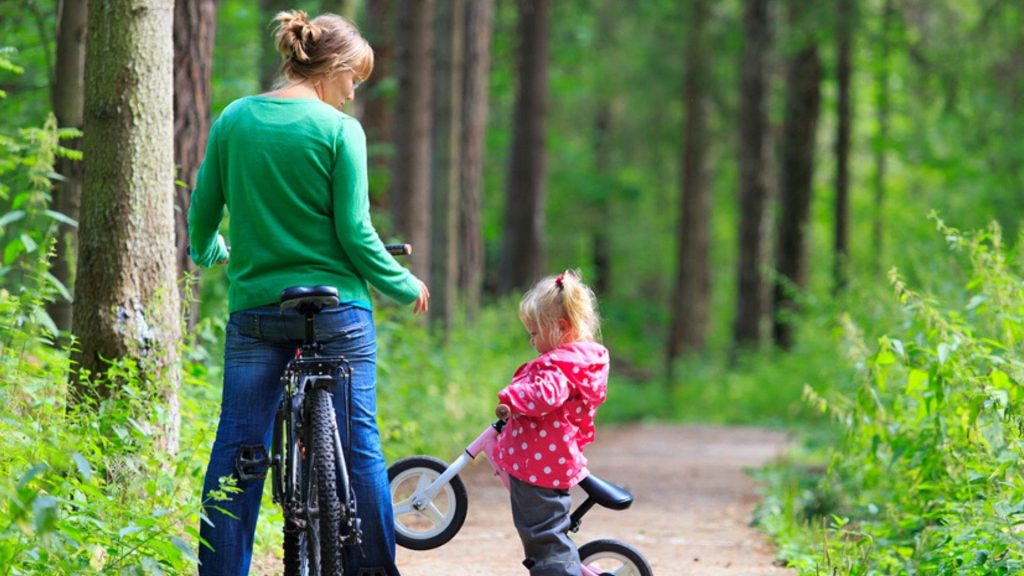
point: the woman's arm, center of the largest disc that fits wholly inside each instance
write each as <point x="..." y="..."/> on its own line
<point x="352" y="221"/>
<point x="206" y="210"/>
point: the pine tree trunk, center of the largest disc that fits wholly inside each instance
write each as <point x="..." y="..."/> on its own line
<point x="603" y="122"/>
<point x="479" y="17"/>
<point x="846" y="13"/>
<point x="378" y="103"/>
<point x="447" y="155"/>
<point x="803" y="105"/>
<point x="68" y="105"/>
<point x="522" y="246"/>
<point x="753" y="166"/>
<point x="126" y="300"/>
<point x="410" y="184"/>
<point x="882" y="142"/>
<point x="194" y="27"/>
<point x="691" y="302"/>
<point x="270" y="59"/>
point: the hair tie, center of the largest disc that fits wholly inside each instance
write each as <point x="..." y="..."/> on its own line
<point x="558" y="280"/>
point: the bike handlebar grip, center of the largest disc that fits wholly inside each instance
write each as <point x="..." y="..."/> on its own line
<point x="399" y="249"/>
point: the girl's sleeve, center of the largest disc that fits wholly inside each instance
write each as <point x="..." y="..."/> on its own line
<point x="206" y="209"/>
<point x="537" y="391"/>
<point x="352" y="221"/>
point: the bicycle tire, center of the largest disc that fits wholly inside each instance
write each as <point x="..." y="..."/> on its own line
<point x="614" y="557"/>
<point x="435" y="526"/>
<point x="296" y="551"/>
<point x="323" y="431"/>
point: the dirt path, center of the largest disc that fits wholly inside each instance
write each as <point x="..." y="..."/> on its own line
<point x="691" y="516"/>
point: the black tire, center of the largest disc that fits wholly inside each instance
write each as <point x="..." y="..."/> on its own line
<point x="296" y="552"/>
<point x="614" y="557"/>
<point x="437" y="521"/>
<point x="324" y="474"/>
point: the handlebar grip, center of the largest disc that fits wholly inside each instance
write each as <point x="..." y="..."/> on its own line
<point x="398" y="249"/>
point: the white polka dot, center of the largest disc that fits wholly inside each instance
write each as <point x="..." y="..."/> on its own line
<point x="531" y="405"/>
<point x="543" y="433"/>
<point x="565" y="438"/>
<point x="575" y="369"/>
<point x="561" y="460"/>
<point x="537" y="456"/>
<point x="511" y="450"/>
<point x="524" y="445"/>
<point x="547" y="469"/>
<point x="579" y="409"/>
<point x="515" y="467"/>
<point x="533" y="425"/>
<point x="557" y="482"/>
<point x="533" y="478"/>
<point x="522" y="394"/>
<point x="552" y="447"/>
<point x="515" y="433"/>
<point x="557" y="424"/>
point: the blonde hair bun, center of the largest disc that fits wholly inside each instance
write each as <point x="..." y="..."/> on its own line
<point x="320" y="47"/>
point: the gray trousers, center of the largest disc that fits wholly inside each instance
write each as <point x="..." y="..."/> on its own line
<point x="541" y="516"/>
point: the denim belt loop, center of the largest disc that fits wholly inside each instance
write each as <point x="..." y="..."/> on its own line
<point x="256" y="325"/>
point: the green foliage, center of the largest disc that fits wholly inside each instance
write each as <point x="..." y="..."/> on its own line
<point x="925" y="478"/>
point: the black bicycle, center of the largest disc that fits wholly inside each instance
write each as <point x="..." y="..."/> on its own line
<point x="309" y="471"/>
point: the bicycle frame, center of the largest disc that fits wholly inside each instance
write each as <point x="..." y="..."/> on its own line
<point x="485" y="443"/>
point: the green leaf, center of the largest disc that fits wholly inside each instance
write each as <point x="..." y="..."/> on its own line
<point x="44" y="513"/>
<point x="185" y="548"/>
<point x="11" y="217"/>
<point x="62" y="218"/>
<point x="83" y="466"/>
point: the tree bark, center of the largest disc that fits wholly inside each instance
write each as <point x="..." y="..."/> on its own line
<point x="126" y="301"/>
<point x="68" y="106"/>
<point x="410" y="185"/>
<point x="753" y="166"/>
<point x="377" y="95"/>
<point x="270" y="59"/>
<point x="522" y="246"/>
<point x="691" y="302"/>
<point x="604" y="120"/>
<point x="194" y="28"/>
<point x="803" y="105"/>
<point x="846" y="13"/>
<point x="448" y="77"/>
<point x="478" y="22"/>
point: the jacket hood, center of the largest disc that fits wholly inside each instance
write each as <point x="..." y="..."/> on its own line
<point x="585" y="364"/>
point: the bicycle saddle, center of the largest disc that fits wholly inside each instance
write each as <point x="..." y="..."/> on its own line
<point x="309" y="299"/>
<point x="605" y="493"/>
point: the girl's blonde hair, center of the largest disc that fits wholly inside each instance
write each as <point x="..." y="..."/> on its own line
<point x="563" y="296"/>
<point x="321" y="46"/>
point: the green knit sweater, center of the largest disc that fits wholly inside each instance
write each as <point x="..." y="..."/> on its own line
<point x="292" y="174"/>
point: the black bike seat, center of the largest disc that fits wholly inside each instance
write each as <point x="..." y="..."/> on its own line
<point x="605" y="493"/>
<point x="309" y="299"/>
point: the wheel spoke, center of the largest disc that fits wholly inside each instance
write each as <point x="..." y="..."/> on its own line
<point x="433" y="514"/>
<point x="403" y="507"/>
<point x="422" y="484"/>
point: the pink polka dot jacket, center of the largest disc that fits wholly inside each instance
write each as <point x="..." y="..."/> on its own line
<point x="553" y="400"/>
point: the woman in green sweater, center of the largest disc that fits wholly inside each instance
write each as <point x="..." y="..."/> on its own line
<point x="291" y="170"/>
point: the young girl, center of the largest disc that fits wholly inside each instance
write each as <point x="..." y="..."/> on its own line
<point x="550" y="407"/>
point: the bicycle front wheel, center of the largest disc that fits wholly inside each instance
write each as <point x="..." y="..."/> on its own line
<point x="614" y="557"/>
<point x="423" y="523"/>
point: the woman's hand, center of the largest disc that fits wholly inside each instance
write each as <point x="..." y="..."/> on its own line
<point x="422" y="302"/>
<point x="503" y="412"/>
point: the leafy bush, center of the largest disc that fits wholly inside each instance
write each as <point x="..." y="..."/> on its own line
<point x="926" y="476"/>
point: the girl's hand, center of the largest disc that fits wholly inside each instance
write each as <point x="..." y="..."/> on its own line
<point x="503" y="412"/>
<point x="422" y="302"/>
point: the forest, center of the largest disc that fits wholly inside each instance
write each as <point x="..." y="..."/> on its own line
<point x="799" y="215"/>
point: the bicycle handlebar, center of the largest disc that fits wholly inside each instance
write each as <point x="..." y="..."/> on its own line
<point x="398" y="249"/>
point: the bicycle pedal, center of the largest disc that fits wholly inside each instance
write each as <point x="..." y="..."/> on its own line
<point x="251" y="462"/>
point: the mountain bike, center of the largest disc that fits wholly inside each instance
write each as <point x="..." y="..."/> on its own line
<point x="430" y="502"/>
<point x="309" y="472"/>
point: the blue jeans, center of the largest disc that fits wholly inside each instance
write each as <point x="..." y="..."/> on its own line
<point x="259" y="344"/>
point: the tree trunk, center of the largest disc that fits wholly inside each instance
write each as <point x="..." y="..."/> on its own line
<point x="448" y="75"/>
<point x="522" y="246"/>
<point x="846" y="13"/>
<point x="194" y="27"/>
<point x="882" y="139"/>
<point x="603" y="121"/>
<point x="126" y="300"/>
<point x="378" y="96"/>
<point x="410" y="184"/>
<point x="691" y="302"/>
<point x="479" y="17"/>
<point x="803" y="104"/>
<point x="68" y="103"/>
<point x="345" y="8"/>
<point x="270" y="59"/>
<point x="753" y="167"/>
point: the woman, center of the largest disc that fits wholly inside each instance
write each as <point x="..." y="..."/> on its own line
<point x="291" y="170"/>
